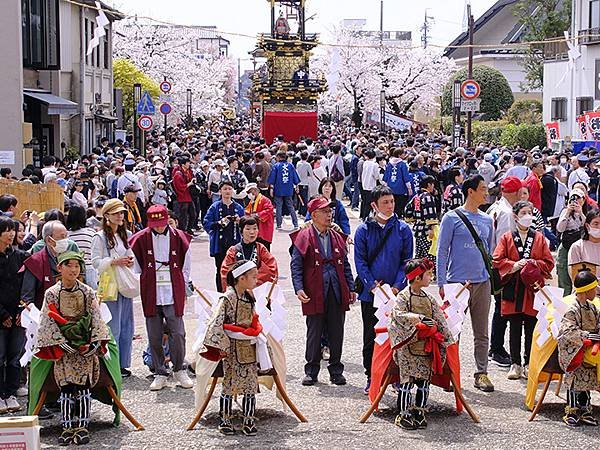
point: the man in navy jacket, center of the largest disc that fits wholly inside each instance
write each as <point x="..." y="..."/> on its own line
<point x="385" y="267"/>
<point x="397" y="178"/>
<point x="283" y="180"/>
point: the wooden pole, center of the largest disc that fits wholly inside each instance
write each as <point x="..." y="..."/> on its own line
<point x="203" y="297"/>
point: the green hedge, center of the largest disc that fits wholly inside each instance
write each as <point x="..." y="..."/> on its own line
<point x="525" y="135"/>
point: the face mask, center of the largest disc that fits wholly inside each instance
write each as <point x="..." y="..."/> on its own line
<point x="563" y="161"/>
<point x="251" y="196"/>
<point x="594" y="232"/>
<point x="61" y="246"/>
<point x="526" y="220"/>
<point x="383" y="216"/>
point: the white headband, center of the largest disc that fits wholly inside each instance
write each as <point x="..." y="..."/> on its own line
<point x="248" y="265"/>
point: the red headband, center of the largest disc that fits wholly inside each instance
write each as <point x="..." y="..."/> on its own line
<point x="420" y="269"/>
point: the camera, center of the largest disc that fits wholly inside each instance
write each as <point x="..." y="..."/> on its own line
<point x="573" y="199"/>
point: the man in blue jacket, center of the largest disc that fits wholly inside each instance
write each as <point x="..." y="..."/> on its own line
<point x="387" y="266"/>
<point x="283" y="180"/>
<point x="398" y="180"/>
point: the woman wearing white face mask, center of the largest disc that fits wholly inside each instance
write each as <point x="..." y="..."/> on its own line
<point x="586" y="251"/>
<point x="523" y="259"/>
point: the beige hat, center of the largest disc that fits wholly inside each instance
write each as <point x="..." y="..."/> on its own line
<point x="113" y="206"/>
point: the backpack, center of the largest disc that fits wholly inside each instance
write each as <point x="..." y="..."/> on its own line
<point x="335" y="174"/>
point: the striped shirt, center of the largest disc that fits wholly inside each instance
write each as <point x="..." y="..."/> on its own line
<point x="83" y="239"/>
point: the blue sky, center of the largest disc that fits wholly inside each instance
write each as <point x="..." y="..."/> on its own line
<point x="252" y="16"/>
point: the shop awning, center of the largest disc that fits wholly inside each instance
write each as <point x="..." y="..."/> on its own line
<point x="56" y="105"/>
<point x="105" y="118"/>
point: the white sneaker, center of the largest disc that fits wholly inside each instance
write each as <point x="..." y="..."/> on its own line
<point x="12" y="404"/>
<point x="183" y="379"/>
<point x="160" y="381"/>
<point x="22" y="391"/>
<point x="3" y="406"/>
<point x="525" y="372"/>
<point x="515" y="372"/>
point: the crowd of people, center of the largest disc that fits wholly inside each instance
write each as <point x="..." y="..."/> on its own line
<point x="489" y="218"/>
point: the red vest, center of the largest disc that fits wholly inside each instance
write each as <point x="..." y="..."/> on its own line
<point x="306" y="241"/>
<point x="142" y="247"/>
<point x="39" y="266"/>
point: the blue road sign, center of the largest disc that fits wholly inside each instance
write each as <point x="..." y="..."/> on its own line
<point x="165" y="109"/>
<point x="145" y="106"/>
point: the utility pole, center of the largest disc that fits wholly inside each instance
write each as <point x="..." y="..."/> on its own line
<point x="470" y="71"/>
<point x="425" y="30"/>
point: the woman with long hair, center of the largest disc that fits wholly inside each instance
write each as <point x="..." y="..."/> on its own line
<point x="110" y="247"/>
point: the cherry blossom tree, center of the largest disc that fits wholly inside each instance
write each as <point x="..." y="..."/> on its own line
<point x="178" y="54"/>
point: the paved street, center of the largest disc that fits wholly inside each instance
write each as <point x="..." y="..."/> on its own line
<point x="333" y="412"/>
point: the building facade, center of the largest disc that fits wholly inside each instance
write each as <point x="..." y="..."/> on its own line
<point x="57" y="97"/>
<point x="573" y="89"/>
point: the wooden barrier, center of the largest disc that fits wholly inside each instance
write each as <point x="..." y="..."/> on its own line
<point x="34" y="197"/>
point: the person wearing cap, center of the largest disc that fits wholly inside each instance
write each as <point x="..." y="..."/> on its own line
<point x="110" y="248"/>
<point x="486" y="168"/>
<point x="133" y="218"/>
<point x="578" y="332"/>
<point x="12" y="335"/>
<point x="322" y="279"/>
<point x="129" y="178"/>
<point x="579" y="174"/>
<point x="261" y="207"/>
<point x="519" y="170"/>
<point x="283" y="181"/>
<point x="502" y="215"/>
<point x="221" y="224"/>
<point x="214" y="180"/>
<point x="72" y="335"/>
<point x="570" y="225"/>
<point x="160" y="196"/>
<point x="459" y="260"/>
<point x="163" y="259"/>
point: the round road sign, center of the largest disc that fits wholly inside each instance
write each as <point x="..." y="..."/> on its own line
<point x="145" y="123"/>
<point x="470" y="90"/>
<point x="165" y="86"/>
<point x="165" y="109"/>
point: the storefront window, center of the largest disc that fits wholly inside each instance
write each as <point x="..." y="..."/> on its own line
<point x="40" y="34"/>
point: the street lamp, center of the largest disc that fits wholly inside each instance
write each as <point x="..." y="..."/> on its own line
<point x="252" y="93"/>
<point x="137" y="95"/>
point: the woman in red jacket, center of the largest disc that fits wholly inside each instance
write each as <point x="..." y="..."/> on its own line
<point x="250" y="250"/>
<point x="262" y="208"/>
<point x="523" y="259"/>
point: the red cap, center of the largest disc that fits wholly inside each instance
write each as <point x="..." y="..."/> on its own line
<point x="318" y="203"/>
<point x="158" y="216"/>
<point x="511" y="185"/>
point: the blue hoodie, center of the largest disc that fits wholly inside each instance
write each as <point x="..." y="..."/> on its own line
<point x="283" y="178"/>
<point x="396" y="176"/>
<point x="388" y="266"/>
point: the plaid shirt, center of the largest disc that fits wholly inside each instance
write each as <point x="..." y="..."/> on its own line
<point x="422" y="210"/>
<point x="453" y="198"/>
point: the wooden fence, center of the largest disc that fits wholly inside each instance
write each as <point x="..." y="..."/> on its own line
<point x="34" y="197"/>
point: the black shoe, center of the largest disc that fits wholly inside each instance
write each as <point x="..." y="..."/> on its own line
<point x="81" y="436"/>
<point x="66" y="437"/>
<point x="226" y="427"/>
<point x="308" y="380"/>
<point x="405" y="421"/>
<point x="418" y="416"/>
<point x="587" y="418"/>
<point x="249" y="429"/>
<point x="339" y="380"/>
<point x="572" y="420"/>
<point x="45" y="414"/>
<point x="501" y="360"/>
<point x="125" y="373"/>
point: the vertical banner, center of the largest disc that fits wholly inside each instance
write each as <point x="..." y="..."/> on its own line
<point x="552" y="132"/>
<point x="592" y="121"/>
<point x="582" y="125"/>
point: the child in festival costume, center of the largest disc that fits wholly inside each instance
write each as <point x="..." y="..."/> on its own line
<point x="419" y="336"/>
<point x="72" y="334"/>
<point x="236" y="315"/>
<point x="578" y="331"/>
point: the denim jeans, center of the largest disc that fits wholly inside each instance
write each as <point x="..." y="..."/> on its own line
<point x="279" y="201"/>
<point x="12" y="341"/>
<point x="122" y="327"/>
<point x="356" y="195"/>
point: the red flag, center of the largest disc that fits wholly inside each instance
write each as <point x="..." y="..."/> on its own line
<point x="582" y="125"/>
<point x="592" y="120"/>
<point x="552" y="132"/>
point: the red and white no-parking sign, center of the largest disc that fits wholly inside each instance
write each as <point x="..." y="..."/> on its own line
<point x="165" y="86"/>
<point x="470" y="90"/>
<point x="145" y="123"/>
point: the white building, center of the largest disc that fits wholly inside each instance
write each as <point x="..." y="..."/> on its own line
<point x="569" y="93"/>
<point x="54" y="96"/>
<point x="497" y="26"/>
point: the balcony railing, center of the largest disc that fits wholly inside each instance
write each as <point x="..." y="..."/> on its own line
<point x="589" y="36"/>
<point x="312" y="85"/>
<point x="555" y="51"/>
